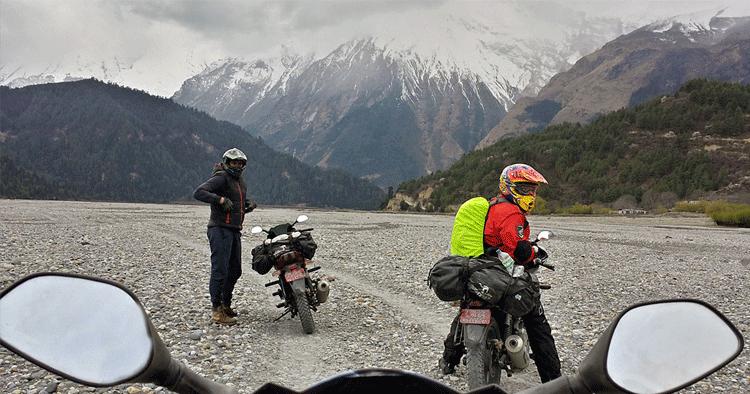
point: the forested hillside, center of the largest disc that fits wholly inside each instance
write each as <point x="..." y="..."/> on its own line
<point x="695" y="143"/>
<point x="88" y="140"/>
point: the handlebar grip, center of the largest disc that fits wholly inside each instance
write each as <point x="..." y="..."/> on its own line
<point x="548" y="266"/>
<point x="306" y="230"/>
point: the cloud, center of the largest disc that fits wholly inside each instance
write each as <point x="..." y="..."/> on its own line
<point x="170" y="39"/>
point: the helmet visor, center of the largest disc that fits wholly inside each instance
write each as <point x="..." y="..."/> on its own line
<point x="526" y="189"/>
<point x="236" y="163"/>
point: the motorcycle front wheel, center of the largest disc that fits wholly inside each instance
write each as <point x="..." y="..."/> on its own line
<point x="303" y="310"/>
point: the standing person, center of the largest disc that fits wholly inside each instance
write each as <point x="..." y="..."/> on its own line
<point x="507" y="230"/>
<point x="227" y="194"/>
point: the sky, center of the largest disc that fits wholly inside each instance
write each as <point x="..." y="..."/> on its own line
<point x="160" y="43"/>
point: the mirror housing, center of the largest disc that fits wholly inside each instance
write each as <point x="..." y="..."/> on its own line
<point x="73" y="293"/>
<point x="616" y="360"/>
<point x="544" y="235"/>
<point x="301" y="219"/>
<point x="256" y="230"/>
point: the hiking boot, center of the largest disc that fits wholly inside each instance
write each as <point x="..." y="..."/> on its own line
<point x="445" y="367"/>
<point x="218" y="316"/>
<point x="229" y="311"/>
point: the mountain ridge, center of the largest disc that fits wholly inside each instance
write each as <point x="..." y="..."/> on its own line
<point x="654" y="60"/>
<point x="105" y="142"/>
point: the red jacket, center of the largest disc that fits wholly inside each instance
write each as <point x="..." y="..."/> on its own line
<point x="506" y="227"/>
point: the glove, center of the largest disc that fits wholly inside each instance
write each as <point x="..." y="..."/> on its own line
<point x="541" y="254"/>
<point x="249" y="206"/>
<point x="227" y="205"/>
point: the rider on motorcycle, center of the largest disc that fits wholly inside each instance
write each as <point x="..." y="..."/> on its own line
<point x="507" y="230"/>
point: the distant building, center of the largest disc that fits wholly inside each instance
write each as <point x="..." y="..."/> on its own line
<point x="631" y="211"/>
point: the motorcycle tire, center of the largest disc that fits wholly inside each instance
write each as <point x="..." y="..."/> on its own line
<point x="482" y="367"/>
<point x="305" y="315"/>
<point x="476" y="360"/>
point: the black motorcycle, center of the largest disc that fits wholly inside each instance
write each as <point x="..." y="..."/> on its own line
<point x="289" y="251"/>
<point x="495" y="338"/>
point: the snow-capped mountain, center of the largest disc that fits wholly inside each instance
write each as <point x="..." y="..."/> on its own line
<point x="651" y="61"/>
<point x="136" y="73"/>
<point x="389" y="107"/>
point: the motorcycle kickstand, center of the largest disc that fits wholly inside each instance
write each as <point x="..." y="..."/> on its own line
<point x="286" y="312"/>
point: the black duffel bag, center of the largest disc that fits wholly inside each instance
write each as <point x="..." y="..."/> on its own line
<point x="307" y="245"/>
<point x="449" y="276"/>
<point x="514" y="295"/>
<point x="262" y="259"/>
<point x="487" y="279"/>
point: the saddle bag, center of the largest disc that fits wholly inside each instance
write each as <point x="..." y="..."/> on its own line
<point x="262" y="259"/>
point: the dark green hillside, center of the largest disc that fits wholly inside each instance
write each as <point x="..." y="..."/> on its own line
<point x="682" y="146"/>
<point x="89" y="140"/>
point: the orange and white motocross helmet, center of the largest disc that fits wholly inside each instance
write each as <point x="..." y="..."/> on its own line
<point x="519" y="183"/>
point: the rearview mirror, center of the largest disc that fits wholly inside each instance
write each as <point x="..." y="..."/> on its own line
<point x="97" y="333"/>
<point x="663" y="347"/>
<point x="544" y="235"/>
<point x="256" y="230"/>
<point x="659" y="347"/>
<point x="302" y="218"/>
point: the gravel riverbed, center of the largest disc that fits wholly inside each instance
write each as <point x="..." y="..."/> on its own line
<point x="380" y="312"/>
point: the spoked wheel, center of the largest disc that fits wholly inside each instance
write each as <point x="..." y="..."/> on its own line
<point x="303" y="310"/>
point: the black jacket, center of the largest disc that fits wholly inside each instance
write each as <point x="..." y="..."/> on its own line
<point x="221" y="184"/>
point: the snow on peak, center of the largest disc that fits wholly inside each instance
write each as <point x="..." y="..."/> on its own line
<point x="701" y="22"/>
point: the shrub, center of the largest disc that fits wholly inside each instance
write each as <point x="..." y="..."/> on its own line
<point x="691" y="206"/>
<point x="728" y="214"/>
<point x="578" y="209"/>
<point x="722" y="212"/>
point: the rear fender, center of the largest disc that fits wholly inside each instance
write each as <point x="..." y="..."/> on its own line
<point x="475" y="335"/>
<point x="298" y="286"/>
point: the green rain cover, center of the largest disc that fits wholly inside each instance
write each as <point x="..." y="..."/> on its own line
<point x="467" y="237"/>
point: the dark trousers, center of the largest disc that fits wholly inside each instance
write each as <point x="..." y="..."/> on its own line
<point x="226" y="264"/>
<point x="540" y="339"/>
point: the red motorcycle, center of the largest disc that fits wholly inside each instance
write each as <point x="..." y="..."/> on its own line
<point x="289" y="251"/>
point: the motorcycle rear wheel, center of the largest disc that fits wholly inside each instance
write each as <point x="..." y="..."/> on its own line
<point x="476" y="361"/>
<point x="305" y="315"/>
<point x="481" y="363"/>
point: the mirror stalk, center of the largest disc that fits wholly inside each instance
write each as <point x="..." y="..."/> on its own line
<point x="185" y="381"/>
<point x="167" y="372"/>
<point x="561" y="385"/>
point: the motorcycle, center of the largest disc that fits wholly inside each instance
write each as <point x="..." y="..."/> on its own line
<point x="688" y="340"/>
<point x="300" y="293"/>
<point x="496" y="341"/>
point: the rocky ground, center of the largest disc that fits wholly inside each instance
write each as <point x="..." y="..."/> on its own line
<point x="381" y="313"/>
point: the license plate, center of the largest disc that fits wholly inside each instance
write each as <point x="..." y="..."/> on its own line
<point x="294" y="274"/>
<point x="475" y="316"/>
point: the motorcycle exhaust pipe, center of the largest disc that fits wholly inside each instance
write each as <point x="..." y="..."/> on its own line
<point x="323" y="288"/>
<point x="515" y="348"/>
